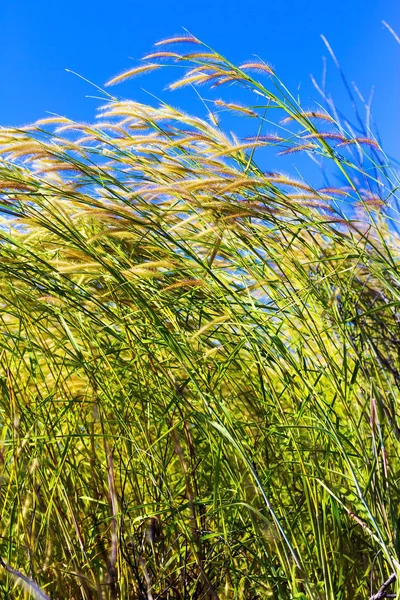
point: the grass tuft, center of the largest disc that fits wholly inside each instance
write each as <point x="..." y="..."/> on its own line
<point x="199" y="365"/>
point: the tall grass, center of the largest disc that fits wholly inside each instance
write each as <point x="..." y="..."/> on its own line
<point x="199" y="359"/>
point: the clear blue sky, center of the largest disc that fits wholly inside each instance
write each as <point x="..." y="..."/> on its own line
<point x="39" y="39"/>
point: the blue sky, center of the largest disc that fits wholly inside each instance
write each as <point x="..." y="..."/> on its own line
<point x="39" y="39"/>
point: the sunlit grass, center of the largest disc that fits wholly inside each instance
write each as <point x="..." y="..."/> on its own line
<point x="199" y="357"/>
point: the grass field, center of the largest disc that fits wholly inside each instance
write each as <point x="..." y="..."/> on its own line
<point x="199" y="359"/>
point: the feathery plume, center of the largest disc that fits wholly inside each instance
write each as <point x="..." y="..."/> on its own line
<point x="200" y="55"/>
<point x="133" y="73"/>
<point x="362" y="140"/>
<point x="15" y="185"/>
<point x="161" y="55"/>
<point x="298" y="148"/>
<point x="236" y="108"/>
<point x="53" y="120"/>
<point x="254" y="66"/>
<point x="333" y="190"/>
<point x="180" y="39"/>
<point x="225" y="79"/>
<point x="284" y="180"/>
<point x="200" y="78"/>
<point x="264" y="138"/>
<point x="371" y="200"/>
<point x="327" y="135"/>
<point x="309" y="115"/>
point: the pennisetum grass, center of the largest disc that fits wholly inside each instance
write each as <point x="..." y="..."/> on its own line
<point x="199" y="361"/>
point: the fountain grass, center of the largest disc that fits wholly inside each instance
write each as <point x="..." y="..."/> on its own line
<point x="199" y="358"/>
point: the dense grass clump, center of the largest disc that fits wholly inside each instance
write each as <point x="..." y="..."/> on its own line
<point x="200" y="361"/>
